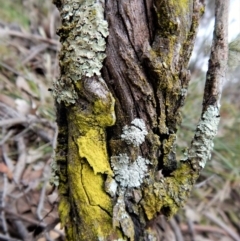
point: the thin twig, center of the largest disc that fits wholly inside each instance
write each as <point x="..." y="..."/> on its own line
<point x="6" y="137"/>
<point x="217" y="67"/>
<point x="13" y="121"/>
<point x="6" y="238"/>
<point x="21" y="229"/>
<point x="2" y="202"/>
<point x="10" y="69"/>
<point x="223" y="226"/>
<point x="49" y="227"/>
<point x="22" y="157"/>
<point x="201" y="146"/>
<point x="25" y="120"/>
<point x="6" y="159"/>
<point x="203" y="228"/>
<point x="30" y="37"/>
<point x="36" y="129"/>
<point x="24" y="218"/>
<point x="41" y="201"/>
<point x="36" y="50"/>
<point x="23" y="192"/>
<point x="7" y="112"/>
<point x="203" y="183"/>
<point x="176" y="229"/>
<point x="191" y="229"/>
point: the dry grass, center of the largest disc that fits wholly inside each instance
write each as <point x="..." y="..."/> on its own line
<point x="28" y="64"/>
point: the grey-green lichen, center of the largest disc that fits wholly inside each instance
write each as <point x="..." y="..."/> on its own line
<point x="202" y="143"/>
<point x="135" y="133"/>
<point x="127" y="173"/>
<point x="83" y="45"/>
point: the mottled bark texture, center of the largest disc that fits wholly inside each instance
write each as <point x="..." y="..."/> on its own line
<point x="118" y="117"/>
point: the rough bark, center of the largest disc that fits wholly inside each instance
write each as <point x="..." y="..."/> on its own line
<point x="115" y="161"/>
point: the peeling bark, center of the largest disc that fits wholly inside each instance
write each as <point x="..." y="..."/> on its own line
<point x="120" y="115"/>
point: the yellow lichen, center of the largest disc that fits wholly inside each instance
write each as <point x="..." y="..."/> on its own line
<point x="92" y="146"/>
<point x="89" y="181"/>
<point x="104" y="111"/>
<point x="92" y="204"/>
<point x="184" y="4"/>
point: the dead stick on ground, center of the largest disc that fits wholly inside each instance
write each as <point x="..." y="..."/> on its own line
<point x="30" y="37"/>
<point x="176" y="229"/>
<point x="203" y="228"/>
<point x="22" y="157"/>
<point x="221" y="224"/>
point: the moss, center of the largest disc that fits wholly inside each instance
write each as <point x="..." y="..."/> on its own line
<point x="169" y="16"/>
<point x="169" y="146"/>
<point x="169" y="194"/>
<point x="64" y="210"/>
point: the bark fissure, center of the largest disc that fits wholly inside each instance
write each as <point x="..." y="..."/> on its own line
<point x="127" y="30"/>
<point x="148" y="20"/>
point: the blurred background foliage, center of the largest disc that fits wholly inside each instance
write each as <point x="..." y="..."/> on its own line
<point x="29" y="64"/>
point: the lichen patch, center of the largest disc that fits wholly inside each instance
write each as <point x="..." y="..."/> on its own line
<point x="135" y="133"/>
<point x="127" y="173"/>
<point x="82" y="35"/>
<point x="92" y="146"/>
<point x="202" y="144"/>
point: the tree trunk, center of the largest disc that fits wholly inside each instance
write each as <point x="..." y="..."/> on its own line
<point x="123" y="80"/>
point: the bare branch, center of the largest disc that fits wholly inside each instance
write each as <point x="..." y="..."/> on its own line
<point x="206" y="130"/>
<point x="217" y="67"/>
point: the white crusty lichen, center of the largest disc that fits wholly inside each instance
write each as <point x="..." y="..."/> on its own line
<point x="83" y="34"/>
<point x="127" y="173"/>
<point x="202" y="143"/>
<point x="130" y="173"/>
<point x="135" y="133"/>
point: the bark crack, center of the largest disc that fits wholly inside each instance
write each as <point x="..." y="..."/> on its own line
<point x="126" y="29"/>
<point x="147" y="19"/>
